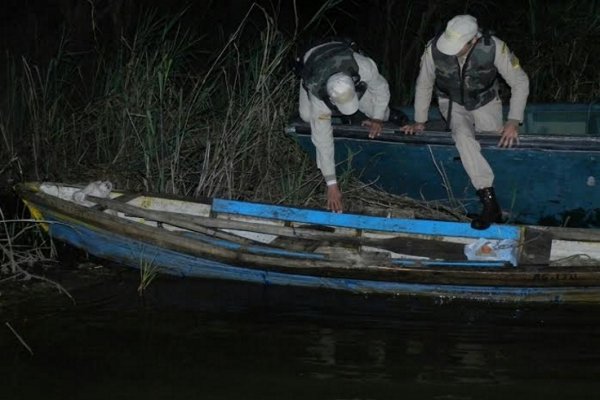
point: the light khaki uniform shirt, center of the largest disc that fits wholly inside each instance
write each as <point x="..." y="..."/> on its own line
<point x="373" y="103"/>
<point x="505" y="61"/>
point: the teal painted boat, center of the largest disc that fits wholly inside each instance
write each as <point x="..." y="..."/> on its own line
<point x="552" y="178"/>
<point x="288" y="246"/>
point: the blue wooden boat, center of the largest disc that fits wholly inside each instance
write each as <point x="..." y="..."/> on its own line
<point x="552" y="178"/>
<point x="279" y="245"/>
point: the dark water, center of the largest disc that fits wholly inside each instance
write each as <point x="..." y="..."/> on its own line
<point x="217" y="340"/>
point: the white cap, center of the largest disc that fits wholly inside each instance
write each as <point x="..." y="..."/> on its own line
<point x="459" y="31"/>
<point x="341" y="92"/>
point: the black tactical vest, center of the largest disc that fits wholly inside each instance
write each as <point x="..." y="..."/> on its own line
<point x="477" y="84"/>
<point x="326" y="60"/>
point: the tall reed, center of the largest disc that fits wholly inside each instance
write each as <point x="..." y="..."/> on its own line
<point x="557" y="42"/>
<point x="156" y="112"/>
<point x="160" y="115"/>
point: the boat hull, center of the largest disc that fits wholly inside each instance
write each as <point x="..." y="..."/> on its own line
<point x="542" y="187"/>
<point x="551" y="180"/>
<point x="139" y="255"/>
<point x="143" y="248"/>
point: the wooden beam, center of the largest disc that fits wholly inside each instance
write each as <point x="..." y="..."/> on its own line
<point x="404" y="245"/>
<point x="535" y="247"/>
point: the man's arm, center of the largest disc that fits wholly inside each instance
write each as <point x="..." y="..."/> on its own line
<point x="322" y="138"/>
<point x="424" y="86"/>
<point x="377" y="85"/>
<point x="423" y="93"/>
<point x="508" y="66"/>
<point x="318" y="115"/>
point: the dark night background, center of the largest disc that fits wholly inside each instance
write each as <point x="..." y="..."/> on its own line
<point x="558" y="42"/>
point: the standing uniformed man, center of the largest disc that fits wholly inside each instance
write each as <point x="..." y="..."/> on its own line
<point x="461" y="66"/>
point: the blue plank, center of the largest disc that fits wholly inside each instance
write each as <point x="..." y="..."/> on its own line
<point x="253" y="249"/>
<point x="397" y="225"/>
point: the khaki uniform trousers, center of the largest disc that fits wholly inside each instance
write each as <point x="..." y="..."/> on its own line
<point x="463" y="125"/>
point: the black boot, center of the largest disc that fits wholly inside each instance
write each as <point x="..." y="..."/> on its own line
<point x="491" y="210"/>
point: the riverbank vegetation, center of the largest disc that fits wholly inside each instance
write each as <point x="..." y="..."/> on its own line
<point x="169" y="103"/>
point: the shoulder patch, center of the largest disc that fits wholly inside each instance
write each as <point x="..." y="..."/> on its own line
<point x="325" y="117"/>
<point x="514" y="61"/>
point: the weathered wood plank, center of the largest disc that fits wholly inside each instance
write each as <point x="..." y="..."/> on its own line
<point x="435" y="249"/>
<point x="536" y="247"/>
<point x="164" y="217"/>
<point x="578" y="234"/>
<point x="124" y="198"/>
<point x="404" y="245"/>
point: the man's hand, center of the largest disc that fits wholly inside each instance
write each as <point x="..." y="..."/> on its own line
<point x="413" y="129"/>
<point x="375" y="127"/>
<point x="510" y="134"/>
<point x="334" y="198"/>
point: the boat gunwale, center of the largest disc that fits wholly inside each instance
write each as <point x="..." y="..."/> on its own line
<point x="435" y="137"/>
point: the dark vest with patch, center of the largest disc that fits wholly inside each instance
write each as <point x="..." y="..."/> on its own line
<point x="326" y="60"/>
<point x="476" y="85"/>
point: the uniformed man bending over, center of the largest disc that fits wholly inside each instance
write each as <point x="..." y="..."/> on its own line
<point x="336" y="78"/>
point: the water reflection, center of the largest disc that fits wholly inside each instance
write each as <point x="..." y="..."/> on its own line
<point x="225" y="341"/>
<point x="350" y="354"/>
